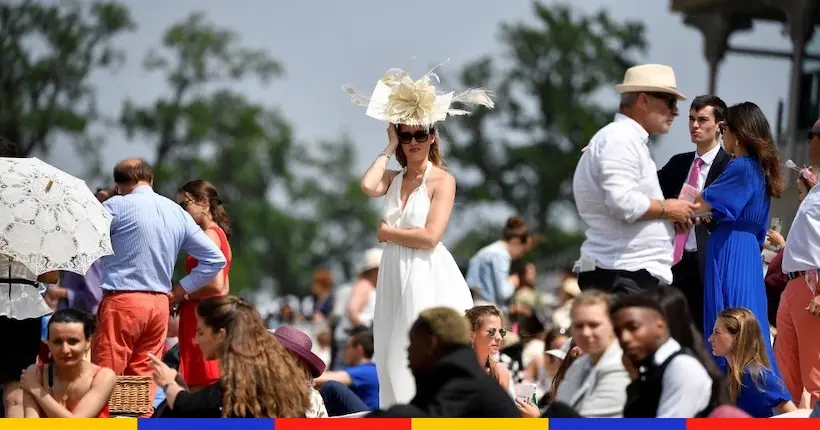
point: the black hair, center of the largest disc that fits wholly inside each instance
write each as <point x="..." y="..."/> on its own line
<point x="719" y="108"/>
<point x="365" y="340"/>
<point x="642" y="300"/>
<point x="72" y="315"/>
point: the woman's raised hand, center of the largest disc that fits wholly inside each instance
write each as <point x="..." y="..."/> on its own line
<point x="392" y="138"/>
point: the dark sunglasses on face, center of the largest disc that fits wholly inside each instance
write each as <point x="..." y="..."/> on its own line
<point x="500" y="331"/>
<point x="671" y="101"/>
<point x="420" y="136"/>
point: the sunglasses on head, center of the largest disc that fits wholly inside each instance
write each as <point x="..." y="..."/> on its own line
<point x="500" y="331"/>
<point x="419" y="135"/>
<point x="671" y="100"/>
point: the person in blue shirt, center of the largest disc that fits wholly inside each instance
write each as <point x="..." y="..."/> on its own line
<point x="753" y="385"/>
<point x="360" y="372"/>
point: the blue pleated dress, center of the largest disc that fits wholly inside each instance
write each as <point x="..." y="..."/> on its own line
<point x="734" y="273"/>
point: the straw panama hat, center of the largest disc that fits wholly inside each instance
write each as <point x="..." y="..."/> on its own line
<point x="655" y="78"/>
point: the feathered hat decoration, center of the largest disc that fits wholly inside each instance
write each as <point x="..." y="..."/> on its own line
<point x="399" y="99"/>
<point x="806" y="173"/>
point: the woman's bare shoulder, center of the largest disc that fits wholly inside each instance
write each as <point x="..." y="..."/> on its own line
<point x="442" y="176"/>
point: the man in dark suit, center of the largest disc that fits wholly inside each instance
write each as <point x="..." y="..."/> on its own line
<point x="699" y="169"/>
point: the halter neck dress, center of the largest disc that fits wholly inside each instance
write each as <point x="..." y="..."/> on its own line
<point x="410" y="281"/>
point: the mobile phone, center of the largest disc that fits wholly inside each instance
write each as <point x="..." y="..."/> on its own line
<point x="527" y="391"/>
<point x="702" y="215"/>
<point x="776" y="224"/>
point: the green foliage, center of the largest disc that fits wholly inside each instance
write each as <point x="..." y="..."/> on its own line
<point x="525" y="150"/>
<point x="47" y="56"/>
<point x="202" y="130"/>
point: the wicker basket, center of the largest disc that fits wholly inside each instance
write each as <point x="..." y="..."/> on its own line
<point x="131" y="396"/>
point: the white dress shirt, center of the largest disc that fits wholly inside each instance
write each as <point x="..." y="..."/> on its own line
<point x="803" y="242"/>
<point x="687" y="386"/>
<point x="708" y="159"/>
<point x="613" y="185"/>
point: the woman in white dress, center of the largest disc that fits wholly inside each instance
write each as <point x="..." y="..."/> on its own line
<point x="416" y="272"/>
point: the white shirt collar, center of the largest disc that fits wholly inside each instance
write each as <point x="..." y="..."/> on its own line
<point x="639" y="128"/>
<point x="666" y="350"/>
<point x="709" y="157"/>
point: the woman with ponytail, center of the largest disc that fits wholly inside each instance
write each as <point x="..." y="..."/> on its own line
<point x="201" y="200"/>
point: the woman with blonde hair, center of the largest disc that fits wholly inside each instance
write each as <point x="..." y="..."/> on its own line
<point x="257" y="378"/>
<point x="487" y="336"/>
<point x="753" y="386"/>
<point x="417" y="271"/>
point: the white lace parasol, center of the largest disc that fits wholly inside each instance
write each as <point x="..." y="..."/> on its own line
<point x="49" y="219"/>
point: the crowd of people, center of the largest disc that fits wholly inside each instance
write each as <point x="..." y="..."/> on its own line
<point x="667" y="312"/>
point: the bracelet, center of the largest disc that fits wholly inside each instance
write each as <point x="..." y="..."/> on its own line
<point x="663" y="208"/>
<point x="384" y="154"/>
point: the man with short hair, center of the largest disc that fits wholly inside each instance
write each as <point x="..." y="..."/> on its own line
<point x="360" y="371"/>
<point x="698" y="169"/>
<point x="147" y="233"/>
<point x="670" y="382"/>
<point x="617" y="194"/>
<point x="449" y="381"/>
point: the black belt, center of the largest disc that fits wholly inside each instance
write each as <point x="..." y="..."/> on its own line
<point x="795" y="275"/>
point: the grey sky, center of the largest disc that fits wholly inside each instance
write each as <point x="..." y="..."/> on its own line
<point x="326" y="43"/>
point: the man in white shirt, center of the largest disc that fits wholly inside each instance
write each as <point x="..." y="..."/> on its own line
<point x="617" y="194"/>
<point x="699" y="169"/>
<point x="797" y="349"/>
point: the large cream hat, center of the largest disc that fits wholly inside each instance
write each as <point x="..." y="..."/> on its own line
<point x="653" y="78"/>
<point x="370" y="260"/>
<point x="400" y="99"/>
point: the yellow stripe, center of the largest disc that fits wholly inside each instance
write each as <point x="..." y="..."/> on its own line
<point x="480" y="424"/>
<point x="69" y="424"/>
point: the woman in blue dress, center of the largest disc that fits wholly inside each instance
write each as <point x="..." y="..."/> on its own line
<point x="739" y="202"/>
<point x="753" y="385"/>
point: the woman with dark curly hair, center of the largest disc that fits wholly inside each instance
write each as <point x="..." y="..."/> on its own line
<point x="257" y="378"/>
<point x="739" y="201"/>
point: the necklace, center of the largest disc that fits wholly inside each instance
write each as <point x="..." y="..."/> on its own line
<point x="64" y="397"/>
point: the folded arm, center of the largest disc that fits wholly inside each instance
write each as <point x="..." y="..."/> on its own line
<point x="427" y="237"/>
<point x="88" y="407"/>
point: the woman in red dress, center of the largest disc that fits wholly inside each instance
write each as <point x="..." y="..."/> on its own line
<point x="201" y="200"/>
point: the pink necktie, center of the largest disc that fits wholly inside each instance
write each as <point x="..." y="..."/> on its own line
<point x="680" y="238"/>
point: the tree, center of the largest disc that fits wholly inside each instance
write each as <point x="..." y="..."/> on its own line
<point x="524" y="152"/>
<point x="332" y="192"/>
<point x="203" y="130"/>
<point x="46" y="91"/>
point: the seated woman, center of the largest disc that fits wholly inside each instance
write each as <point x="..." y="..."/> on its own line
<point x="753" y="385"/>
<point x="257" y="373"/>
<point x="487" y="336"/>
<point x="69" y="387"/>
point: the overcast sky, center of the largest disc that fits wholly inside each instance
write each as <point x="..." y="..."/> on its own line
<point x="326" y="43"/>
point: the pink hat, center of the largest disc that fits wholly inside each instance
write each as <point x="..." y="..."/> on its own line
<point x="299" y="344"/>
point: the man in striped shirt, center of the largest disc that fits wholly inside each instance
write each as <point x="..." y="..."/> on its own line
<point x="147" y="233"/>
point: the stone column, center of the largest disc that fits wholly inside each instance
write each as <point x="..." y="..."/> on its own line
<point x="716" y="29"/>
<point x="799" y="18"/>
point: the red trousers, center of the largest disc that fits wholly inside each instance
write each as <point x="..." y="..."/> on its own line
<point x="131" y="325"/>
<point x="797" y="348"/>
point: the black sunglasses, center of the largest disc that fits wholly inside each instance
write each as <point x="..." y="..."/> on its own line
<point x="500" y="331"/>
<point x="812" y="135"/>
<point x="671" y="100"/>
<point x="420" y="136"/>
